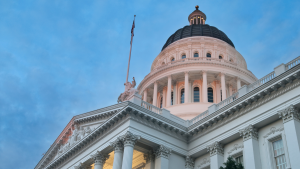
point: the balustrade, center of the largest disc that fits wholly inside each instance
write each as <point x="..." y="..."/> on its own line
<point x="150" y="107"/>
<point x="292" y="63"/>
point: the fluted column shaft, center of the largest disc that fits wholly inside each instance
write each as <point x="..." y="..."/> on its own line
<point x="118" y="154"/>
<point x="204" y="87"/>
<point x="129" y="141"/>
<point x="99" y="160"/>
<point x="169" y="91"/>
<point x="145" y="95"/>
<point x="223" y="86"/>
<point x="155" y="94"/>
<point x="238" y="83"/>
<point x="186" y="87"/>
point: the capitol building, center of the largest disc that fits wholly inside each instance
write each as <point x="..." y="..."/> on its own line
<point x="198" y="106"/>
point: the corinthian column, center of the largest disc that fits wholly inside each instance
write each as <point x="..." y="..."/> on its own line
<point x="129" y="141"/>
<point x="186" y="87"/>
<point x="216" y="155"/>
<point x="162" y="155"/>
<point x="204" y="86"/>
<point x="223" y="86"/>
<point x="251" y="147"/>
<point x="99" y="160"/>
<point x="118" y="153"/>
<point x="155" y="94"/>
<point x="189" y="163"/>
<point x="291" y="123"/>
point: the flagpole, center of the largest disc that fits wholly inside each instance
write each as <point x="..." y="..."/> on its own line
<point x="130" y="52"/>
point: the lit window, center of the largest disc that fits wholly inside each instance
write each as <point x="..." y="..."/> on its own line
<point x="279" y="154"/>
<point x="161" y="102"/>
<point x="182" y="96"/>
<point x="172" y="59"/>
<point x="183" y="56"/>
<point x="220" y="57"/>
<point x="196" y="55"/>
<point x="239" y="159"/>
<point x="208" y="55"/>
<point x="196" y="94"/>
<point x="210" y="95"/>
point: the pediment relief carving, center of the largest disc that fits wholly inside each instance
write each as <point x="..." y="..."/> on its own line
<point x="235" y="148"/>
<point x="273" y="130"/>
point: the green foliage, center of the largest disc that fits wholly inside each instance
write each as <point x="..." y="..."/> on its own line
<point x="232" y="164"/>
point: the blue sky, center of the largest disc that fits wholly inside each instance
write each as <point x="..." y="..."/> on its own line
<point x="60" y="58"/>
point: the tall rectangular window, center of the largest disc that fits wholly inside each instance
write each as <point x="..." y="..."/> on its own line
<point x="196" y="94"/>
<point x="239" y="159"/>
<point x="279" y="154"/>
<point x="171" y="98"/>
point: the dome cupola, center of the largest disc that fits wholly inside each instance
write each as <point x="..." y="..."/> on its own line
<point x="197" y="17"/>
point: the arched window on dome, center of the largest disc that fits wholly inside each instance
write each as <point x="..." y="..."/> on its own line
<point x="183" y="56"/>
<point x="210" y="95"/>
<point x="162" y="63"/>
<point x="230" y="60"/>
<point x="208" y="55"/>
<point x="172" y="59"/>
<point x="196" y="55"/>
<point x="220" y="57"/>
<point x="182" y="96"/>
<point x="172" y="102"/>
<point x="196" y="94"/>
<point x="161" y="102"/>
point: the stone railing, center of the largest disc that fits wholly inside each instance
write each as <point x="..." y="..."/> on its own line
<point x="178" y="119"/>
<point x="150" y="107"/>
<point x="261" y="81"/>
<point x="199" y="117"/>
<point x="292" y="63"/>
<point x="228" y="100"/>
<point x="196" y="59"/>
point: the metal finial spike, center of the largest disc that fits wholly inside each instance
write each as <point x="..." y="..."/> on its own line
<point x="196" y="7"/>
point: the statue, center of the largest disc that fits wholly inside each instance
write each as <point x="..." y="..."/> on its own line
<point x="129" y="90"/>
<point x="87" y="130"/>
<point x="81" y="133"/>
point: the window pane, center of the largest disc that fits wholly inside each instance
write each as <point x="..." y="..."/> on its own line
<point x="196" y="94"/>
<point x="196" y="55"/>
<point x="279" y="154"/>
<point x="161" y="102"/>
<point x="239" y="159"/>
<point x="208" y="55"/>
<point x="172" y="59"/>
<point x="210" y="95"/>
<point x="171" y="98"/>
<point x="182" y="96"/>
<point x="183" y="57"/>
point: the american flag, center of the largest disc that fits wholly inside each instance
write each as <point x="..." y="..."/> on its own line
<point x="132" y="29"/>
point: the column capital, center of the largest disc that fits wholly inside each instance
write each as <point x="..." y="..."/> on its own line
<point x="149" y="157"/>
<point x="170" y="76"/>
<point x="163" y="151"/>
<point x="117" y="145"/>
<point x="129" y="139"/>
<point x="99" y="158"/>
<point x="215" y="148"/>
<point x="204" y="71"/>
<point x="186" y="72"/>
<point x="249" y="132"/>
<point x="189" y="162"/>
<point x="289" y="113"/>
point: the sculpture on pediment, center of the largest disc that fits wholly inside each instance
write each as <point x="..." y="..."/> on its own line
<point x="81" y="133"/>
<point x="88" y="130"/>
<point x="129" y="91"/>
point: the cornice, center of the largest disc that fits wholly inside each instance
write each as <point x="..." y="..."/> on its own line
<point x="166" y="68"/>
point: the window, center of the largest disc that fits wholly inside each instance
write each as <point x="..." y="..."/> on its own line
<point x="196" y="55"/>
<point x="161" y="102"/>
<point x="230" y="60"/>
<point x="194" y="21"/>
<point x="196" y="94"/>
<point x="279" y="154"/>
<point x="210" y="95"/>
<point x="162" y="63"/>
<point x="182" y="96"/>
<point x="171" y="98"/>
<point x="208" y="55"/>
<point x="221" y="95"/>
<point x="239" y="159"/>
<point x="198" y="20"/>
<point x="183" y="56"/>
<point x="172" y="59"/>
<point x="220" y="57"/>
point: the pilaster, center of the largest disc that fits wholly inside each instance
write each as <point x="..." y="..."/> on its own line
<point x="216" y="151"/>
<point x="149" y="158"/>
<point x="251" y="147"/>
<point x="291" y="123"/>
<point x="162" y="155"/>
